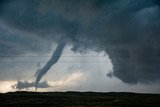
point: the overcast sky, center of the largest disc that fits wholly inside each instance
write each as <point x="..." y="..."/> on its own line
<point x="109" y="45"/>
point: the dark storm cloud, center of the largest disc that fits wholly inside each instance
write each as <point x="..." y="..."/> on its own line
<point x="127" y="30"/>
<point x="2" y="3"/>
<point x="11" y="41"/>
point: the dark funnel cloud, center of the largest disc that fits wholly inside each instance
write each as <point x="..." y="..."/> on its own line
<point x="128" y="30"/>
<point x="54" y="59"/>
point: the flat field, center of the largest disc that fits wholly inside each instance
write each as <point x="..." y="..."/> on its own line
<point x="78" y="99"/>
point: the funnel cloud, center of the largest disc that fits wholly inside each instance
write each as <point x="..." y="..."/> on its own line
<point x="127" y="30"/>
<point x="54" y="59"/>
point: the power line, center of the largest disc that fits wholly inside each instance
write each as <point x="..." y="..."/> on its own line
<point x="74" y="61"/>
<point x="86" y="50"/>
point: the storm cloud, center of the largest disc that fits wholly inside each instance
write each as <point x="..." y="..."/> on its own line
<point x="128" y="31"/>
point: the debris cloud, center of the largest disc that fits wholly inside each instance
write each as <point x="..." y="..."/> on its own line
<point x="26" y="85"/>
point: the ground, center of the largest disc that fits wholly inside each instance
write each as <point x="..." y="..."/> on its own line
<point x="78" y="99"/>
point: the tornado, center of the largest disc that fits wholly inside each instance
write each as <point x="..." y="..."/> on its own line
<point x="53" y="60"/>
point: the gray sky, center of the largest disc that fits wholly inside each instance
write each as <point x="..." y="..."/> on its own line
<point x="102" y="36"/>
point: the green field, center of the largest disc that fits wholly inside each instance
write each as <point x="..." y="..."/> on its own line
<point x="78" y="99"/>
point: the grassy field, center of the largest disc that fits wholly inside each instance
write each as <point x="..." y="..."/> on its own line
<point x="78" y="99"/>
